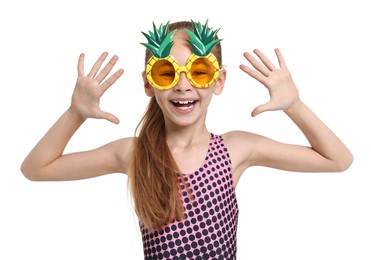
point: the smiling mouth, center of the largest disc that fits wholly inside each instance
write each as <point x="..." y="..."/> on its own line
<point x="184" y="104"/>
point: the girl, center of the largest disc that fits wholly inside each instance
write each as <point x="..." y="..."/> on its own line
<point x="182" y="176"/>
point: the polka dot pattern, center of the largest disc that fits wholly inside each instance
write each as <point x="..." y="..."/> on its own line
<point x="209" y="227"/>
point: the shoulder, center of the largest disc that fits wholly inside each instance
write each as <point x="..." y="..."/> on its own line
<point x="239" y="145"/>
<point x="236" y="141"/>
<point x="121" y="150"/>
<point x="247" y="142"/>
<point x="239" y="138"/>
<point x="243" y="147"/>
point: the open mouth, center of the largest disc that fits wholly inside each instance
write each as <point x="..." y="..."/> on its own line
<point x="184" y="104"/>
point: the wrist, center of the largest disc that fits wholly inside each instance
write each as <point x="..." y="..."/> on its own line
<point x="294" y="107"/>
<point x="75" y="114"/>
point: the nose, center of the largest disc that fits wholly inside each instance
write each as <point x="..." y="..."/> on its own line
<point x="183" y="83"/>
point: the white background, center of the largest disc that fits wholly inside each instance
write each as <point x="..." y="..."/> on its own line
<point x="283" y="215"/>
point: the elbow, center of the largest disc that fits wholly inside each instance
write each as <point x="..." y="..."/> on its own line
<point x="29" y="173"/>
<point x="345" y="163"/>
<point x="26" y="173"/>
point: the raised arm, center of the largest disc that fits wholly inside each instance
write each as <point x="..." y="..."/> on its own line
<point x="46" y="161"/>
<point x="327" y="152"/>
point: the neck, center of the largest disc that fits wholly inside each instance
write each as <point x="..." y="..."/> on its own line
<point x="186" y="136"/>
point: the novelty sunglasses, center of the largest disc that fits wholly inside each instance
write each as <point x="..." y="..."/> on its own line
<point x="202" y="72"/>
<point x="201" y="69"/>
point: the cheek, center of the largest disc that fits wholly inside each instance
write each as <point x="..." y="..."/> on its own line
<point x="161" y="98"/>
<point x="207" y="95"/>
<point x="207" y="100"/>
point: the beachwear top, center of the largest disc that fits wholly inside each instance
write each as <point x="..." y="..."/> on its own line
<point x="209" y="227"/>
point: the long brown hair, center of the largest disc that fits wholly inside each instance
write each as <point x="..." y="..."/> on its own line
<point x="154" y="176"/>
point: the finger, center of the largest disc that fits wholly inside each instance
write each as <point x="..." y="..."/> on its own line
<point x="253" y="73"/>
<point x="111" y="80"/>
<point x="260" y="109"/>
<point x="256" y="64"/>
<point x="265" y="60"/>
<point x="94" y="70"/>
<point x="80" y="65"/>
<point x="108" y="116"/>
<point x="107" y="69"/>
<point x="280" y="58"/>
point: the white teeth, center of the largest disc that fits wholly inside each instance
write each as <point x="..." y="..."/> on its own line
<point x="183" y="102"/>
<point x="184" y="108"/>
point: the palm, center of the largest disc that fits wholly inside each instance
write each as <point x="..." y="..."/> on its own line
<point x="90" y="88"/>
<point x="281" y="87"/>
<point x="87" y="95"/>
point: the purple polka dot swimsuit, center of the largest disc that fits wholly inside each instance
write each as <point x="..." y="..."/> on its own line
<point x="208" y="230"/>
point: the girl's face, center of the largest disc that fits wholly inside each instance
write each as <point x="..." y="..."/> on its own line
<point x="184" y="105"/>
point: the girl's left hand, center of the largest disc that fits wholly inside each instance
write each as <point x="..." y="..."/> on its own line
<point x="282" y="90"/>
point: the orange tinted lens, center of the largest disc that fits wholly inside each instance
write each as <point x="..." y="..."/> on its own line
<point x="163" y="73"/>
<point x="202" y="71"/>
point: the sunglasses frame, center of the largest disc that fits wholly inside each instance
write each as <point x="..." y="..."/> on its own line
<point x="179" y="69"/>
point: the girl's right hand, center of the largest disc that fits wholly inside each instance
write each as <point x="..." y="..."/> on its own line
<point x="90" y="88"/>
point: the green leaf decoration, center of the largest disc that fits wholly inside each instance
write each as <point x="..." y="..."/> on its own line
<point x="159" y="41"/>
<point x="202" y="38"/>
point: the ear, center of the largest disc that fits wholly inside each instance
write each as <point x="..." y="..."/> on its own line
<point x="147" y="87"/>
<point x="219" y="84"/>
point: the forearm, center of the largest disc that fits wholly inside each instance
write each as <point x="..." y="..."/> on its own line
<point x="53" y="143"/>
<point x="320" y="137"/>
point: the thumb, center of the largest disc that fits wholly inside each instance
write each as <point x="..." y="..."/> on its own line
<point x="108" y="116"/>
<point x="260" y="109"/>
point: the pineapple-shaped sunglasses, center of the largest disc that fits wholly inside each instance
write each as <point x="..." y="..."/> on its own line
<point x="202" y="67"/>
